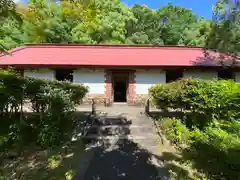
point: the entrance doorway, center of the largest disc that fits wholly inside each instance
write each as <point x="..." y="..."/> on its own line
<point x="120" y="86"/>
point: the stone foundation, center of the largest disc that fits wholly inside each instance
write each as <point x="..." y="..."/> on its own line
<point x="140" y="99"/>
<point x="99" y="99"/>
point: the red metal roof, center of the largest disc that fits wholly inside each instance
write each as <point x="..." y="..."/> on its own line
<point x="106" y="55"/>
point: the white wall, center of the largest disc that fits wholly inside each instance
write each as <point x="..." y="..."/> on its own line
<point x="145" y="79"/>
<point x="237" y="77"/>
<point x="40" y="73"/>
<point x="94" y="79"/>
<point x="208" y="75"/>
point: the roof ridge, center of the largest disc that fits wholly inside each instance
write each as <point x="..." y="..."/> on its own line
<point x="110" y="45"/>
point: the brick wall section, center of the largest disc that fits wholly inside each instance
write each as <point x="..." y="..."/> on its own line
<point x="108" y="86"/>
<point x="132" y="88"/>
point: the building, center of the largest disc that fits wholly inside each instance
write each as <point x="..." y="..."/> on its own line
<point x="119" y="73"/>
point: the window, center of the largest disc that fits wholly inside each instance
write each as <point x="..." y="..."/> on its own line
<point x="226" y="74"/>
<point x="64" y="75"/>
<point x="173" y="75"/>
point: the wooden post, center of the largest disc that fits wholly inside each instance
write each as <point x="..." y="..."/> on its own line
<point x="105" y="102"/>
<point x="147" y="106"/>
<point x="93" y="106"/>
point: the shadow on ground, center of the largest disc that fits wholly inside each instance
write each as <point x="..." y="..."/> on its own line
<point x="34" y="163"/>
<point x="118" y="158"/>
<point x="193" y="164"/>
<point x="125" y="161"/>
<point x="57" y="163"/>
<point x="114" y="159"/>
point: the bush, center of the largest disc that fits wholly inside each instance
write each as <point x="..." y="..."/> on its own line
<point x="57" y="120"/>
<point x="213" y="149"/>
<point x="213" y="99"/>
<point x="171" y="95"/>
<point x="175" y="130"/>
<point x="210" y="125"/>
<point x="11" y="94"/>
<point x="53" y="103"/>
<point x="219" y="147"/>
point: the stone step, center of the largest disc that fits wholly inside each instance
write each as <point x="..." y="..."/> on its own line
<point x="94" y="137"/>
<point x="118" y="129"/>
<point x="110" y="130"/>
<point x="122" y="126"/>
<point x="112" y="121"/>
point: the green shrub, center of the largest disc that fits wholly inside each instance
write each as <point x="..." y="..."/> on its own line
<point x="217" y="99"/>
<point x="58" y="119"/>
<point x="53" y="103"/>
<point x="211" y="125"/>
<point x="232" y="127"/>
<point x="38" y="89"/>
<point x="219" y="147"/>
<point x="175" y="130"/>
<point x="214" y="149"/>
<point x="11" y="93"/>
<point x="171" y="95"/>
<point x="206" y="99"/>
<point x="77" y="93"/>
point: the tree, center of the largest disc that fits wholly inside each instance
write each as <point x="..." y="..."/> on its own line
<point x="7" y="13"/>
<point x="165" y="25"/>
<point x="112" y="22"/>
<point x="108" y="28"/>
<point x="8" y="9"/>
<point x="174" y="20"/>
<point x="225" y="32"/>
<point x="197" y="33"/>
<point x="43" y="23"/>
<point x="144" y="28"/>
<point x="10" y="34"/>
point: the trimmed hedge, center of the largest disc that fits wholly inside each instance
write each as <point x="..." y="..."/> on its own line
<point x="52" y="102"/>
<point x="216" y="99"/>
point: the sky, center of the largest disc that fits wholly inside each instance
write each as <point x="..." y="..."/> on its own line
<point x="199" y="7"/>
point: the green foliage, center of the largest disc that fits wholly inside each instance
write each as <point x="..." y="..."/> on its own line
<point x="112" y="22"/>
<point x="220" y="147"/>
<point x="210" y="126"/>
<point x="176" y="131"/>
<point x="214" y="148"/>
<point x="53" y="104"/>
<point x="225" y="32"/>
<point x="213" y="99"/>
<point x="57" y="118"/>
<point x="175" y="20"/>
<point x="8" y="13"/>
<point x="108" y="22"/>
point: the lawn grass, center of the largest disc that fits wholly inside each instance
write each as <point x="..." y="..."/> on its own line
<point x="59" y="163"/>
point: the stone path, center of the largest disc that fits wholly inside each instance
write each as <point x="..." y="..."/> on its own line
<point x="127" y="147"/>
